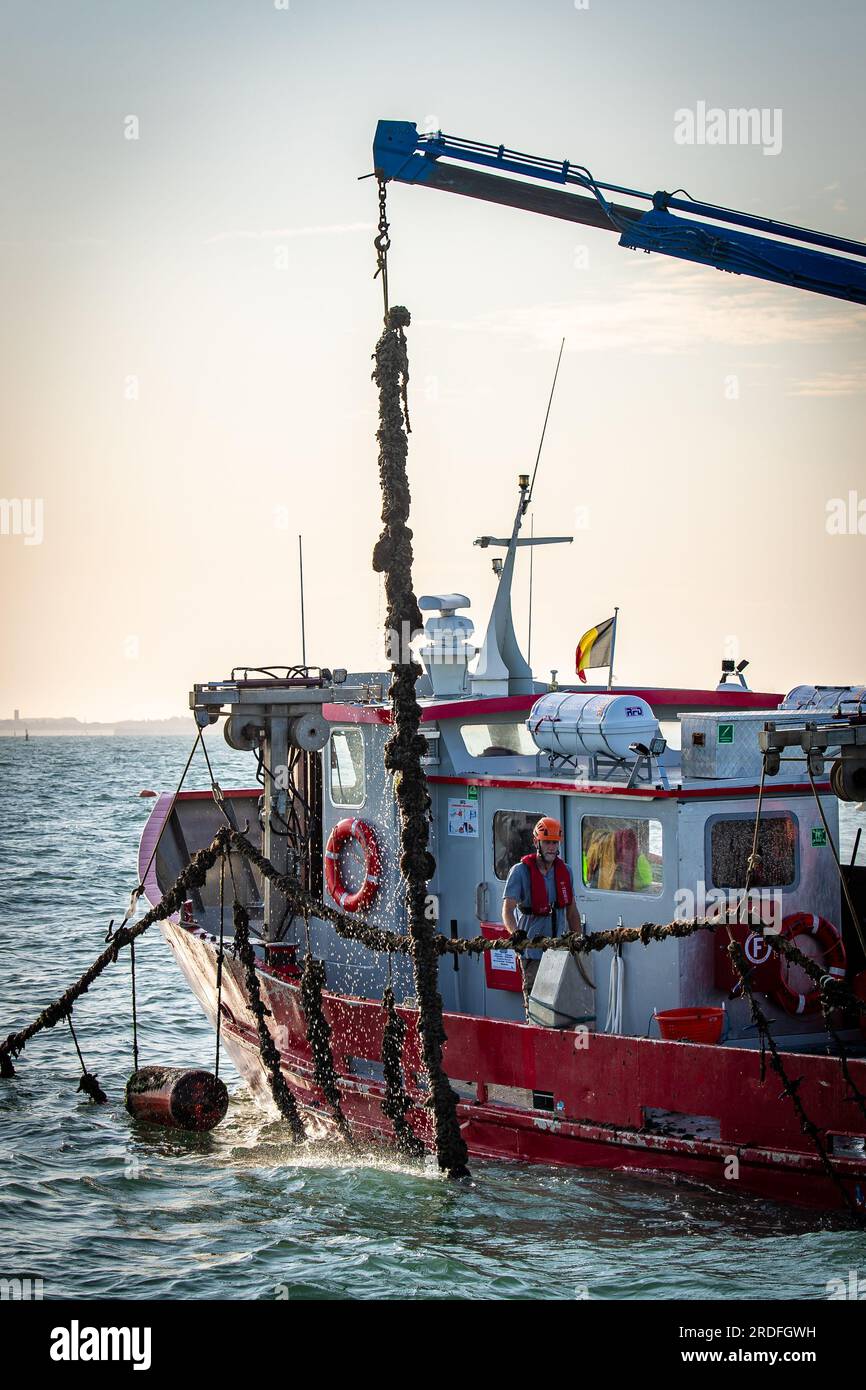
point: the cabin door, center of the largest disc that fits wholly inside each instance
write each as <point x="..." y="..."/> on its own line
<point x="508" y="816"/>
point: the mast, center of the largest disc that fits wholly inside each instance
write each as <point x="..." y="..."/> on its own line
<point x="501" y="668"/>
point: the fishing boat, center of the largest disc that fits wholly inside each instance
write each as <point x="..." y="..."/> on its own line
<point x="676" y="805"/>
<point x="657" y="1067"/>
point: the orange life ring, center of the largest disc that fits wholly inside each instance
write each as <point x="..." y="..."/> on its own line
<point x="834" y="960"/>
<point x="364" y="836"/>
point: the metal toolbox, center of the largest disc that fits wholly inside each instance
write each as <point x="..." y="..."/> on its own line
<point x="725" y="745"/>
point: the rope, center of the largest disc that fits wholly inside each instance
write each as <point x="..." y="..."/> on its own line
<point x="137" y="892"/>
<point x="134" y="1009"/>
<point x="845" y="889"/>
<point x="395" y="1102"/>
<point x="842" y="1052"/>
<point x="392" y="557"/>
<point x="216" y="789"/>
<point x="89" y="1083"/>
<point x="790" y="1088"/>
<point x="220" y="958"/>
<point x="283" y="1098"/>
<point x="193" y="876"/>
<point x="319" y="1037"/>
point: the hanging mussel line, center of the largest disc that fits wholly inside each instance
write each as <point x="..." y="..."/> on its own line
<point x="392" y="557"/>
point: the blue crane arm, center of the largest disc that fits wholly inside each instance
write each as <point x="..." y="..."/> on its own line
<point x="709" y="235"/>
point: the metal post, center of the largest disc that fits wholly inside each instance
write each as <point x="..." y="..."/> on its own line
<point x="612" y="651"/>
<point x="275" y="846"/>
<point x="303" y="628"/>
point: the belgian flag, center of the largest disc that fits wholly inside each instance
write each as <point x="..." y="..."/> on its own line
<point x="595" y="647"/>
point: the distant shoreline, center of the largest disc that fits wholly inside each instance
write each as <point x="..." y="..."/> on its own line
<point x="77" y="728"/>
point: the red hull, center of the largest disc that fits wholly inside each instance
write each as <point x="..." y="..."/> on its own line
<point x="600" y="1087"/>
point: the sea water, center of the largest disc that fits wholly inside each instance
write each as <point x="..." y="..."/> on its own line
<point x="94" y="1205"/>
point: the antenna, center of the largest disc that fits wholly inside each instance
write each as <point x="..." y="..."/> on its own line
<point x="303" y="628"/>
<point x="529" y="495"/>
<point x="531" y="558"/>
<point x="501" y="669"/>
<point x="544" y="427"/>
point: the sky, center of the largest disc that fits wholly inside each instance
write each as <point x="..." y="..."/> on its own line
<point x="189" y="314"/>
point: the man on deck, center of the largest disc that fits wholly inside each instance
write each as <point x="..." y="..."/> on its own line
<point x="538" y="891"/>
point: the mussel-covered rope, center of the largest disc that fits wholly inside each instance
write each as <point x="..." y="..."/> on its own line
<point x="193" y="876"/>
<point x="379" y="940"/>
<point x="395" y="1102"/>
<point x="790" y="1086"/>
<point x="790" y="953"/>
<point x="392" y="556"/>
<point x="283" y="1098"/>
<point x="856" y="1095"/>
<point x="382" y="941"/>
<point x="220" y="960"/>
<point x="319" y="1035"/>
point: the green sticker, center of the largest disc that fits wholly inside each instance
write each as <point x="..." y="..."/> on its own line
<point x="819" y="837"/>
<point x="471" y="793"/>
<point x="726" y="733"/>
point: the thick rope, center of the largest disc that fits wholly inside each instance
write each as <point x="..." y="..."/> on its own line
<point x="392" y="557"/>
<point x="283" y="1098"/>
<point x="193" y="876"/>
<point x="395" y="1102"/>
<point x="319" y="1037"/>
<point x="790" y="1087"/>
<point x="220" y="959"/>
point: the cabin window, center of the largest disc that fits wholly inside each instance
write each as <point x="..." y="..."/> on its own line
<point x="497" y="740"/>
<point x="730" y="845"/>
<point x="622" y="855"/>
<point x="512" y="838"/>
<point x="347" y="767"/>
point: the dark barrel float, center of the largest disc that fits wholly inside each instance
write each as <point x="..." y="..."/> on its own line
<point x="180" y="1097"/>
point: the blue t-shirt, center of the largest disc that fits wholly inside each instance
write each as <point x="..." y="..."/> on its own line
<point x="518" y="886"/>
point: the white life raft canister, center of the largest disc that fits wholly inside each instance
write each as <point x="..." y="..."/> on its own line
<point x="571" y="723"/>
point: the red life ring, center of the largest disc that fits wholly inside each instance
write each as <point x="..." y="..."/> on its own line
<point x="833" y="960"/>
<point x="363" y="835"/>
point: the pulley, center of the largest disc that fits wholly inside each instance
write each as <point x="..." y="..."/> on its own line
<point x="240" y="734"/>
<point x="848" y="775"/>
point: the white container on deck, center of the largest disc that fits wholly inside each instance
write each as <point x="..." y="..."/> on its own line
<point x="571" y="723"/>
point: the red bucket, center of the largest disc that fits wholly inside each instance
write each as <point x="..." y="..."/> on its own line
<point x="691" y="1025"/>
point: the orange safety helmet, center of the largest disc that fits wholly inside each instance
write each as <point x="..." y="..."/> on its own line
<point x="548" y="830"/>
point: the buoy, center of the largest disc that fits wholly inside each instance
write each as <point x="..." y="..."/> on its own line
<point x="180" y="1097"/>
<point x="147" y="793"/>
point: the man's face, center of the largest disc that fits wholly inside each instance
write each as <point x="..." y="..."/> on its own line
<point x="547" y="850"/>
